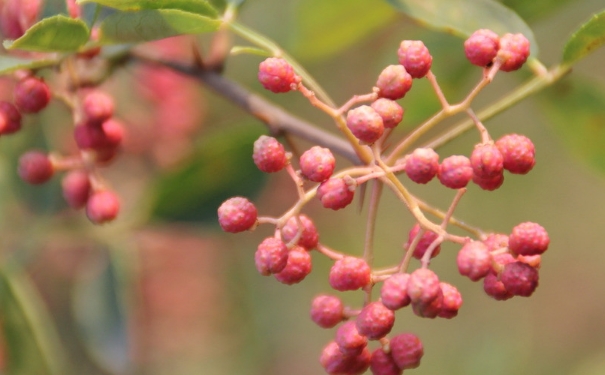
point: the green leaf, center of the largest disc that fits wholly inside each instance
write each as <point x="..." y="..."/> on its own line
<point x="463" y="17"/>
<point x="325" y="28"/>
<point x="147" y="25"/>
<point x="577" y="114"/>
<point x="586" y="39"/>
<point x="54" y="34"/>
<point x="535" y="9"/>
<point x="201" y="7"/>
<point x="221" y="168"/>
<point x="9" y="64"/>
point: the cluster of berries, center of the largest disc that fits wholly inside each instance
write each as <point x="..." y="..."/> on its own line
<point x="508" y="264"/>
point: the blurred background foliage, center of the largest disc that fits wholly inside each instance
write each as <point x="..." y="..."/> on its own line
<point x="163" y="291"/>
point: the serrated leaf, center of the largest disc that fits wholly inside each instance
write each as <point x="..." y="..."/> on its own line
<point x="54" y="34"/>
<point x="586" y="39"/>
<point x="201" y="7"/>
<point x="463" y="17"/>
<point x="147" y="25"/>
<point x="9" y="64"/>
<point x="325" y="28"/>
<point x="577" y="112"/>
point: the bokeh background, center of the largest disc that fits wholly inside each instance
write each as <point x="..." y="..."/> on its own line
<point x="163" y="291"/>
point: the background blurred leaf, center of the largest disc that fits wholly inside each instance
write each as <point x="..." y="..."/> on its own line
<point x="577" y="113"/>
<point x="221" y="168"/>
<point x="324" y="28"/>
<point x="463" y="17"/>
<point x="532" y="10"/>
<point x="9" y="64"/>
<point x="585" y="40"/>
<point x="201" y="7"/>
<point x="147" y="25"/>
<point x="54" y="34"/>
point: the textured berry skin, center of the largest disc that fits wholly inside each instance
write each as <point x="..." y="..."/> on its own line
<point x="31" y="95"/>
<point x="269" y="155"/>
<point x="495" y="289"/>
<point x="415" y="57"/>
<point x="425" y="242"/>
<point x="309" y="236"/>
<point x="389" y="110"/>
<point x="499" y="261"/>
<point x="393" y="82"/>
<point x="104" y="138"/>
<point x="237" y="214"/>
<point x="349" y="273"/>
<point x="375" y="321"/>
<point x="98" y="106"/>
<point x="422" y="165"/>
<point x="10" y="118"/>
<point x="317" y="164"/>
<point x="528" y="239"/>
<point x="518" y="152"/>
<point x="336" y="362"/>
<point x="489" y="183"/>
<point x="514" y="51"/>
<point x="349" y="340"/>
<point x="365" y="124"/>
<point x="532" y="260"/>
<point x="326" y="311"/>
<point x="474" y="260"/>
<point x="271" y="256"/>
<point x="335" y="193"/>
<point x="452" y="301"/>
<point x="486" y="161"/>
<point x="430" y="309"/>
<point x="102" y="206"/>
<point x="76" y="188"/>
<point x="519" y="279"/>
<point x="455" y="172"/>
<point x="394" y="294"/>
<point x="382" y="363"/>
<point x="277" y="75"/>
<point x="423" y="286"/>
<point x="406" y="350"/>
<point x="482" y="47"/>
<point x="297" y="268"/>
<point x="496" y="241"/>
<point x="35" y="167"/>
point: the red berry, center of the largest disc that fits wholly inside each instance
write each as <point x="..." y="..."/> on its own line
<point x="532" y="260"/>
<point x="429" y="309"/>
<point x="422" y="165"/>
<point x="455" y="172"/>
<point x="35" y="167"/>
<point x="237" y="214"/>
<point x="499" y="261"/>
<point x="518" y="152"/>
<point x="495" y="289"/>
<point x="349" y="340"/>
<point x="489" y="183"/>
<point x="271" y="256"/>
<point x="269" y="155"/>
<point x="102" y="206"/>
<point x="514" y="51"/>
<point x="349" y="273"/>
<point x="394" y="294"/>
<point x="31" y="95"/>
<point x="428" y="237"/>
<point x="365" y="124"/>
<point x="393" y="82"/>
<point x="382" y="363"/>
<point x="99" y="137"/>
<point x="496" y="241"/>
<point x="452" y="300"/>
<point x="486" y="161"/>
<point x="327" y="311"/>
<point x="482" y="47"/>
<point x="474" y="260"/>
<point x="10" y="118"/>
<point x="76" y="188"/>
<point x="336" y="362"/>
<point x="277" y="75"/>
<point x="519" y="278"/>
<point x="406" y="350"/>
<point x="389" y="110"/>
<point x="375" y="321"/>
<point x="17" y="16"/>
<point x="317" y="164"/>
<point x="528" y="239"/>
<point x="297" y="268"/>
<point x="336" y="193"/>
<point x="98" y="106"/>
<point x="423" y="286"/>
<point x="415" y="57"/>
<point x="309" y="236"/>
